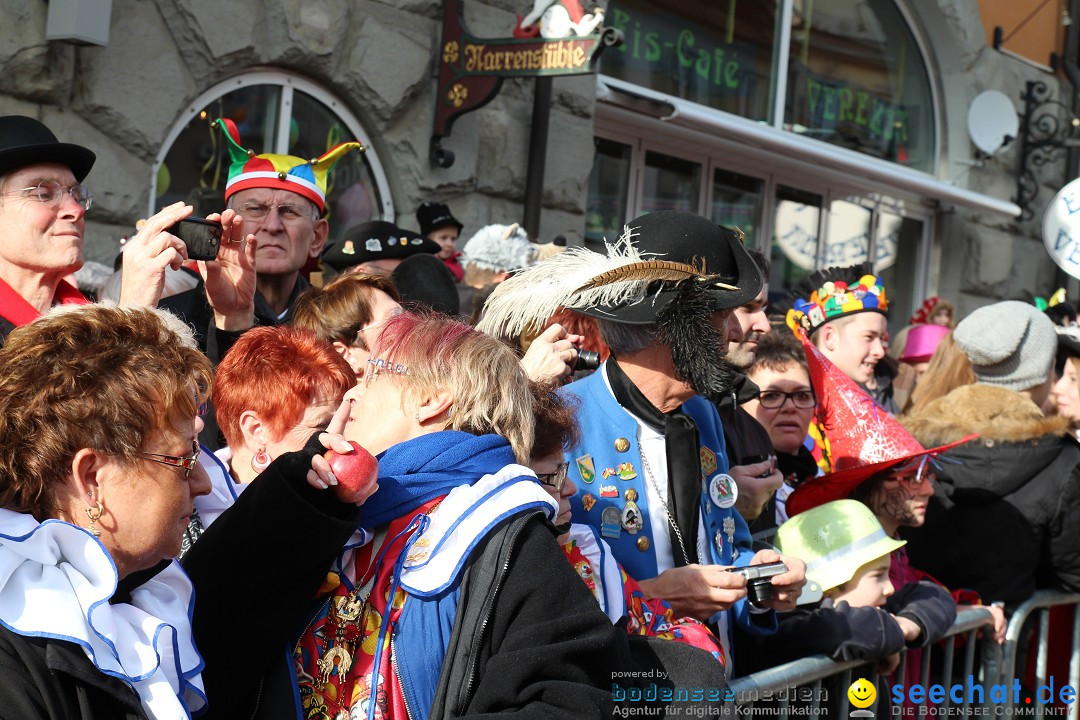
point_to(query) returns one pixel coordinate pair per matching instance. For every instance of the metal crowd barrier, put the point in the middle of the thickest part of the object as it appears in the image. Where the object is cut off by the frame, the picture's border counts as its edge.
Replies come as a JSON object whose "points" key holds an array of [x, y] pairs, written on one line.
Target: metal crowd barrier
{"points": [[997, 665], [810, 671]]}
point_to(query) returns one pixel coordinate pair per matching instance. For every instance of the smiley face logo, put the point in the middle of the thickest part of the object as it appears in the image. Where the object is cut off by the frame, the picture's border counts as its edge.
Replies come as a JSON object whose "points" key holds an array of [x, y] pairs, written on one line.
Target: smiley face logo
{"points": [[862, 693]]}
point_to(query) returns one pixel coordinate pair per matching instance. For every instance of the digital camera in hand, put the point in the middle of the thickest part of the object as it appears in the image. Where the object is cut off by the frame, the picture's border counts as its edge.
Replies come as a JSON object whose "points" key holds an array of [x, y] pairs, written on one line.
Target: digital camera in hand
{"points": [[759, 588]]}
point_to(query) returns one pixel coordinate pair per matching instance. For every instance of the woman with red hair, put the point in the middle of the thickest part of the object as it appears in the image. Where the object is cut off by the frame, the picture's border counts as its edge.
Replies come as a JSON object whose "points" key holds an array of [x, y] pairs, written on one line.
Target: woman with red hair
{"points": [[274, 389]]}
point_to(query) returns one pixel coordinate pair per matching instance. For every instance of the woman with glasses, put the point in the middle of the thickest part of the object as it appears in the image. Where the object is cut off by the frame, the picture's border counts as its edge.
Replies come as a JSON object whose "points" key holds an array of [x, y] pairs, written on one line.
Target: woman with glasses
{"points": [[784, 407], [99, 473], [617, 593], [348, 313], [455, 599]]}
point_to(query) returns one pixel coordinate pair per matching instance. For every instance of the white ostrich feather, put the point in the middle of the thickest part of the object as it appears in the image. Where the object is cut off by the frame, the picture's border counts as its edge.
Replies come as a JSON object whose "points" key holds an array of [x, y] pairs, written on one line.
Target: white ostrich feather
{"points": [[577, 278]]}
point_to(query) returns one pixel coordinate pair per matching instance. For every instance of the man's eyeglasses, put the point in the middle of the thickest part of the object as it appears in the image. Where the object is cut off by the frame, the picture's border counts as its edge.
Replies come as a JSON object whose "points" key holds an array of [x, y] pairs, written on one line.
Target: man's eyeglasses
{"points": [[51, 192], [177, 461], [556, 479], [288, 214], [775, 399]]}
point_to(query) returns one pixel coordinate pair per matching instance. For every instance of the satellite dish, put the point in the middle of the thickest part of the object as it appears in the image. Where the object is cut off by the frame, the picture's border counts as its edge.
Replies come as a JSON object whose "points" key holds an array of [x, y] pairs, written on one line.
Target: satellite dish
{"points": [[992, 121]]}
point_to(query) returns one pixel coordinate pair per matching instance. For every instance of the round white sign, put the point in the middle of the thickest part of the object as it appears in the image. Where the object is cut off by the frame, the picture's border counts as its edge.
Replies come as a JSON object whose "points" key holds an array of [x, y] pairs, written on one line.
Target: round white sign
{"points": [[1061, 228]]}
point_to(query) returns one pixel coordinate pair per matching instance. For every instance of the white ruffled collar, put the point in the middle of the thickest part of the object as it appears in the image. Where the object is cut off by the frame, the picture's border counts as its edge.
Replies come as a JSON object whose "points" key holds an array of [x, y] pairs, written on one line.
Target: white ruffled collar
{"points": [[56, 580]]}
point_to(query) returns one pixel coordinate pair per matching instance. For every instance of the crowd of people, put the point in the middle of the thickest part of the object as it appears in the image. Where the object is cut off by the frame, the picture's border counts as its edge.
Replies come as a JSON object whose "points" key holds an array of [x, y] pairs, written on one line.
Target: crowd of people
{"points": [[732, 483]]}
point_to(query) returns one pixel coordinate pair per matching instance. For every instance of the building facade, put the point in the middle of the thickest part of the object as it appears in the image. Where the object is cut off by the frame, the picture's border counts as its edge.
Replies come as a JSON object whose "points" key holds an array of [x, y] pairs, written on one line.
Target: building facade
{"points": [[831, 131]]}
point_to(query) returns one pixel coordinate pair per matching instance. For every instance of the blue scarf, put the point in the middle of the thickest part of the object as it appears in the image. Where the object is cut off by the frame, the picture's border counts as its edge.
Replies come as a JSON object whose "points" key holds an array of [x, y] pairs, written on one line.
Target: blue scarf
{"points": [[418, 470]]}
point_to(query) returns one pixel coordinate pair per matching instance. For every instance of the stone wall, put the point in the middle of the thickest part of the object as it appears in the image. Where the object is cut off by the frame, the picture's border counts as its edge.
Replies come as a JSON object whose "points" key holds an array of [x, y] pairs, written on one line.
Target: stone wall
{"points": [[378, 57], [981, 257]]}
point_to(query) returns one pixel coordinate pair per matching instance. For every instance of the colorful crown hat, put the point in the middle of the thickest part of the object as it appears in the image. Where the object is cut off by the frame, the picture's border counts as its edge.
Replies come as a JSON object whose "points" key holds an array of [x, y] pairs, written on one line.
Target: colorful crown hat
{"points": [[280, 172], [863, 439], [836, 298]]}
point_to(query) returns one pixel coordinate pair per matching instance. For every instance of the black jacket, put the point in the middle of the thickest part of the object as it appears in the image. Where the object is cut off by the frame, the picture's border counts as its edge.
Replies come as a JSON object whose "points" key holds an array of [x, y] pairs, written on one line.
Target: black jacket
{"points": [[6, 326], [45, 678], [1003, 521], [747, 441]]}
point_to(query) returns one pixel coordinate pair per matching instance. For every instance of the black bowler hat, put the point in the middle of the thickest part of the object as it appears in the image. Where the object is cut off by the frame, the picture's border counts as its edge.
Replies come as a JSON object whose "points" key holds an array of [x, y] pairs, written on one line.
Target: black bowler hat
{"points": [[425, 280], [687, 238], [432, 216], [375, 240], [26, 141]]}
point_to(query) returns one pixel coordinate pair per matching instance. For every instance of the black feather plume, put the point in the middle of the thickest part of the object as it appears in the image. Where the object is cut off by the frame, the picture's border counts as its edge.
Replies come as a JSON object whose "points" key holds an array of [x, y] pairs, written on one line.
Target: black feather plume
{"points": [[697, 348]]}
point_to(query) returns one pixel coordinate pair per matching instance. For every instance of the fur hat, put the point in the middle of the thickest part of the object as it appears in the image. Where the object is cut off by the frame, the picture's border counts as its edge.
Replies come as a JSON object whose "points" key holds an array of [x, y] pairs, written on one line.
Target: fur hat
{"points": [[499, 248], [1010, 344]]}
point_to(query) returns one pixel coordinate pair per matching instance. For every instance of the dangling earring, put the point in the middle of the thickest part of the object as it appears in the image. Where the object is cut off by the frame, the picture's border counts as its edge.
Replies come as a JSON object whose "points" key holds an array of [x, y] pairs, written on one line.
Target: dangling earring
{"points": [[417, 417], [94, 514], [261, 460]]}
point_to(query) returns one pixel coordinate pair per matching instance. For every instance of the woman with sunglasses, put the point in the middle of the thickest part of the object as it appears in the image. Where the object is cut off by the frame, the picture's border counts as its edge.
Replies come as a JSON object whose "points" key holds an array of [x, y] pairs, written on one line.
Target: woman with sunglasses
{"points": [[99, 473], [617, 593]]}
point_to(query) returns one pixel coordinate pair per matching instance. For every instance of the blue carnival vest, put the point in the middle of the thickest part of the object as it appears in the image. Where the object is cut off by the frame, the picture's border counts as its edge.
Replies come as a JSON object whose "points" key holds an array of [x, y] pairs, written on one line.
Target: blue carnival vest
{"points": [[606, 467]]}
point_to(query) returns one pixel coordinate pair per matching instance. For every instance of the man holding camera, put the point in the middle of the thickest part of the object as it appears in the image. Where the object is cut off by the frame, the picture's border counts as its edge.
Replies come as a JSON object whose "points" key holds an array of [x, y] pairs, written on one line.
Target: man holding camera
{"points": [[43, 206], [282, 202], [651, 467]]}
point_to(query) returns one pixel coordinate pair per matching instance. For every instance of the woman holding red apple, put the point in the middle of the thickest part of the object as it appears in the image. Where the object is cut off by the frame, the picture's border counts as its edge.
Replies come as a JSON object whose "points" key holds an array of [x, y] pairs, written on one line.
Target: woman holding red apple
{"points": [[456, 599]]}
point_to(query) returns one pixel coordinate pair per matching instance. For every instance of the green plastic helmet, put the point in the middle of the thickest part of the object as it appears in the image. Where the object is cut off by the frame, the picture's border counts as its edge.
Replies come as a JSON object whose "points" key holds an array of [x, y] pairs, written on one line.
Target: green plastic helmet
{"points": [[834, 540]]}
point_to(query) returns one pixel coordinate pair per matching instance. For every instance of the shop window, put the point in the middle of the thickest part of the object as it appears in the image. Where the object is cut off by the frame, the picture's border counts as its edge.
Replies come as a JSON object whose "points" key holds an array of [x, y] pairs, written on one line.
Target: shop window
{"points": [[848, 240], [715, 52], [795, 238], [856, 78], [670, 183], [736, 200], [608, 191], [898, 240], [275, 112]]}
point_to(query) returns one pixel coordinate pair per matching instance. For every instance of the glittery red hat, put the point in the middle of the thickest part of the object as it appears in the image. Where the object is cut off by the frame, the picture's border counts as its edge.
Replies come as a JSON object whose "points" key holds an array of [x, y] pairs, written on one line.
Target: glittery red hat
{"points": [[863, 439]]}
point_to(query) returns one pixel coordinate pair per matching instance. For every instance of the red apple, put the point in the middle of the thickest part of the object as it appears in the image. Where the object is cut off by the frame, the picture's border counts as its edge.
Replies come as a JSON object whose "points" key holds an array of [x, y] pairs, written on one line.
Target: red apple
{"points": [[356, 472]]}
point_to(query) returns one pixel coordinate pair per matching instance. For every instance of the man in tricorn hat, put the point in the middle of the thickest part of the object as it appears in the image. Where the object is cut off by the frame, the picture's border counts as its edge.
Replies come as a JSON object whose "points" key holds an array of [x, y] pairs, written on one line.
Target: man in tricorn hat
{"points": [[651, 467]]}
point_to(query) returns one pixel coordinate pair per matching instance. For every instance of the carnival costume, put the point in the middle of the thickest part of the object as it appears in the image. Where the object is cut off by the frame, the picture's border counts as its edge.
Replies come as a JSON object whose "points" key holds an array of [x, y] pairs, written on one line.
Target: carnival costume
{"points": [[84, 643], [446, 502]]}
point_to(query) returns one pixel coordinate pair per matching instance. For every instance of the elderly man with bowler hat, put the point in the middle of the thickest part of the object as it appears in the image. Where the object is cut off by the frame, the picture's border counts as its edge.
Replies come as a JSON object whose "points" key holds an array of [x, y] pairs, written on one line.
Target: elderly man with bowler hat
{"points": [[282, 202], [651, 467], [43, 206]]}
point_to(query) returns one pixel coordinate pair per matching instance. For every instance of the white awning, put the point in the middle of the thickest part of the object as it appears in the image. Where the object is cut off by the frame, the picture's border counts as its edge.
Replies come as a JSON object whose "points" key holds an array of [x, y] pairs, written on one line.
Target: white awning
{"points": [[798, 147]]}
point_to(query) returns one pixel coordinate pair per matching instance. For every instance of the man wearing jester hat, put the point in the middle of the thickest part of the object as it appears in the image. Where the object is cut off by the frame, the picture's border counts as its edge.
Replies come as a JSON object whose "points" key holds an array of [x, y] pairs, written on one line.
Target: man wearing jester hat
{"points": [[663, 297], [282, 200]]}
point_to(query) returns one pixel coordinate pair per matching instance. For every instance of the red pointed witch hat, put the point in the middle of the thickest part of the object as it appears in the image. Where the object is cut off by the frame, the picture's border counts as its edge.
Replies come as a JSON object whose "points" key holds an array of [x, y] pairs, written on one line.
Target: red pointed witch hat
{"points": [[863, 439]]}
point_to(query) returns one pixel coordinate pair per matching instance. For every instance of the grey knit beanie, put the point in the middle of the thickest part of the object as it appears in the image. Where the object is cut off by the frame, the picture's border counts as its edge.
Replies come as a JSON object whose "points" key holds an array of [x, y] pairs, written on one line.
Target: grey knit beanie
{"points": [[1010, 344]]}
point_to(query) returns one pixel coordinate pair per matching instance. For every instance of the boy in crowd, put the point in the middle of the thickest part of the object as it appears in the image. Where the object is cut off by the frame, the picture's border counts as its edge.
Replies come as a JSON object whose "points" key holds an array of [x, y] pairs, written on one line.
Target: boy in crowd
{"points": [[438, 224]]}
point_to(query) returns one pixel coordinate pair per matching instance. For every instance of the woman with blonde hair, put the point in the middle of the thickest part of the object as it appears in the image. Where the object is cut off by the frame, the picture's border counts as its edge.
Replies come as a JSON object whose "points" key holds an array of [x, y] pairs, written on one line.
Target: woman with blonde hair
{"points": [[456, 599], [949, 369]]}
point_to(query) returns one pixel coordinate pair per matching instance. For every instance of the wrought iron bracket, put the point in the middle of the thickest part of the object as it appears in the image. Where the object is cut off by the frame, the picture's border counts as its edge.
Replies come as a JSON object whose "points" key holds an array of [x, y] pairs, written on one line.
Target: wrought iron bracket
{"points": [[1048, 129]]}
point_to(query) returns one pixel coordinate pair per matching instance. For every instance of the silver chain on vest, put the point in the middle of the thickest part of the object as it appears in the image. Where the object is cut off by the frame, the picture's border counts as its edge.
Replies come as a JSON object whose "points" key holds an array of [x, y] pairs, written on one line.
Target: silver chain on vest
{"points": [[660, 496]]}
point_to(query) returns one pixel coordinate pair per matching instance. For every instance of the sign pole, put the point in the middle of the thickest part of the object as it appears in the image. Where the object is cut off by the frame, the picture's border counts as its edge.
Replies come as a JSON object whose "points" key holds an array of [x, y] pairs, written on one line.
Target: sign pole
{"points": [[538, 144]]}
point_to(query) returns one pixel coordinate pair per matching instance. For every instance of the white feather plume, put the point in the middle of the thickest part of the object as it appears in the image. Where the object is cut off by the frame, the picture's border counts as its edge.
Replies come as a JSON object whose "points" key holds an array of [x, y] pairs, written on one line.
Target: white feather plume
{"points": [[534, 294]]}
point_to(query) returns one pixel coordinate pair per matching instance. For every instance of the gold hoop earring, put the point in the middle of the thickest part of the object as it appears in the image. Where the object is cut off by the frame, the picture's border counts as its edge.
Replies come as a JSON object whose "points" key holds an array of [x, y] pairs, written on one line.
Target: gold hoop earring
{"points": [[94, 514]]}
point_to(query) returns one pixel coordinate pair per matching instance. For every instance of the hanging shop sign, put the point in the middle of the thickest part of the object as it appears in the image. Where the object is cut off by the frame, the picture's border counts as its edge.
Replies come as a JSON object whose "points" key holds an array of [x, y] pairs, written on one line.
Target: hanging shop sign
{"points": [[1061, 228], [557, 37]]}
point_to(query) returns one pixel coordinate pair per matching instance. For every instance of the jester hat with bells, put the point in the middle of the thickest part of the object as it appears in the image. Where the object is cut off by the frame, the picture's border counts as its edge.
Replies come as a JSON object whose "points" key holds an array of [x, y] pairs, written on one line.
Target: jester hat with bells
{"points": [[306, 178], [863, 439], [670, 268]]}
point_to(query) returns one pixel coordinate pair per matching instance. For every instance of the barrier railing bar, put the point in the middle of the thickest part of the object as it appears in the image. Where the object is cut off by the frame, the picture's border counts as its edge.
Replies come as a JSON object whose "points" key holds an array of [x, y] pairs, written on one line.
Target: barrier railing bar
{"points": [[947, 664], [1042, 660], [1074, 664], [844, 683], [969, 663]]}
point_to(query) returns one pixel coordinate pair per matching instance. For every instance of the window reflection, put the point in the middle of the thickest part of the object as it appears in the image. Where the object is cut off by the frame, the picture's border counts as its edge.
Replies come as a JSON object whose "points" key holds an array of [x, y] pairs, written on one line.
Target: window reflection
{"points": [[849, 232], [898, 239], [795, 238], [609, 184], [737, 201], [670, 183]]}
